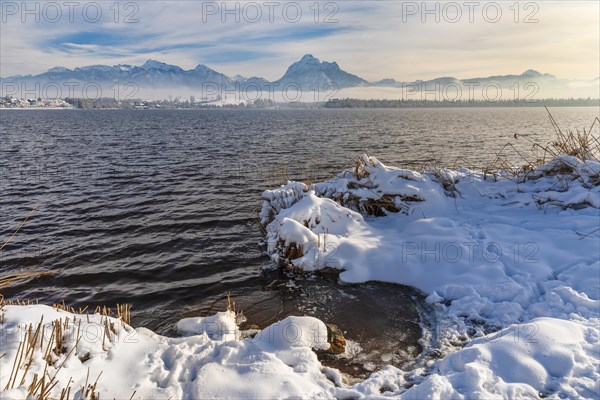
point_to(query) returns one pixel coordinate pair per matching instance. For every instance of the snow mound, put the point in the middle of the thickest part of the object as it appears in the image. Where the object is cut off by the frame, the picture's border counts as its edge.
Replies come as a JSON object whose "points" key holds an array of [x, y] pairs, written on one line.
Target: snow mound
{"points": [[307, 230], [221, 326], [542, 357]]}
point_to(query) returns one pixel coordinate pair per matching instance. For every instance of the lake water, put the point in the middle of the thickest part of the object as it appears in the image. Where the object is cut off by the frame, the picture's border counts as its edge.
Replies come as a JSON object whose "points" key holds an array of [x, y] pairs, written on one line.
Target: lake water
{"points": [[158, 208]]}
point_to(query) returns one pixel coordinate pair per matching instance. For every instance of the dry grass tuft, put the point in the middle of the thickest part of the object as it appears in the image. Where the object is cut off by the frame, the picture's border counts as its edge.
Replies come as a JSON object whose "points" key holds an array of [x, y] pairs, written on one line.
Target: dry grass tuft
{"points": [[22, 224], [88, 391], [34, 342], [377, 207], [380, 204], [582, 145], [359, 166], [15, 302], [35, 345], [230, 306], [443, 176], [124, 313], [20, 277], [293, 251], [7, 280]]}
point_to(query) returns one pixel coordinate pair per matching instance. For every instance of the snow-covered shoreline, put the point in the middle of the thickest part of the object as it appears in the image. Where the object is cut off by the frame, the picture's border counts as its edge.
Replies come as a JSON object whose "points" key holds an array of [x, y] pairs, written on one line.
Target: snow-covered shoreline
{"points": [[510, 265], [517, 254]]}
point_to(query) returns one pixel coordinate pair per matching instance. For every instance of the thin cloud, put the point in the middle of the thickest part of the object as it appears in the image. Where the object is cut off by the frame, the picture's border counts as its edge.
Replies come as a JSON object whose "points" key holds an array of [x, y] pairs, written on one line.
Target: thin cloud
{"points": [[374, 40]]}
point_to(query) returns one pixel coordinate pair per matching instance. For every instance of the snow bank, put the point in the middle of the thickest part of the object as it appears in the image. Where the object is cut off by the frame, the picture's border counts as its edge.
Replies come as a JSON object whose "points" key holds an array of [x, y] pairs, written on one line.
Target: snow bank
{"points": [[490, 251], [277, 363]]}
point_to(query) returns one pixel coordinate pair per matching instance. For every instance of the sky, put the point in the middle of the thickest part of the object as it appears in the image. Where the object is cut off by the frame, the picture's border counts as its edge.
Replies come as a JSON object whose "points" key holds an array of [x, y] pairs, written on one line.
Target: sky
{"points": [[403, 40]]}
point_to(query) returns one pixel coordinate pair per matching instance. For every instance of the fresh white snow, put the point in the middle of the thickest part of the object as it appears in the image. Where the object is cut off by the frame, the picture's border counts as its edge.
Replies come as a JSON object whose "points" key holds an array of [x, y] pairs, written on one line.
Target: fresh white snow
{"points": [[277, 363], [509, 264], [490, 251]]}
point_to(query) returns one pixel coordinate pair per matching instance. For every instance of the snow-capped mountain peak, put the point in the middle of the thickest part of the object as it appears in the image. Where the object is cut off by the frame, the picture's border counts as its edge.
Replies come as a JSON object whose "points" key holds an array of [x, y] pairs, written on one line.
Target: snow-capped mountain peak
{"points": [[202, 67], [309, 71], [157, 65], [59, 70], [309, 59], [532, 73]]}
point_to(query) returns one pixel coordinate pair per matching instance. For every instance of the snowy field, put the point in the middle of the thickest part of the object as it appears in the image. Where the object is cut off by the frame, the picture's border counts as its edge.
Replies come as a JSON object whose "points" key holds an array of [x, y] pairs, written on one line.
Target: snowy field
{"points": [[509, 264]]}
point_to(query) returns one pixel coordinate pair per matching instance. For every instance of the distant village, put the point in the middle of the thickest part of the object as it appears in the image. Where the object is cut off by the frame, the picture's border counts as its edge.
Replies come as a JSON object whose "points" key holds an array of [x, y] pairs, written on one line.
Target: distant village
{"points": [[11, 102], [192, 103], [170, 104], [111, 103]]}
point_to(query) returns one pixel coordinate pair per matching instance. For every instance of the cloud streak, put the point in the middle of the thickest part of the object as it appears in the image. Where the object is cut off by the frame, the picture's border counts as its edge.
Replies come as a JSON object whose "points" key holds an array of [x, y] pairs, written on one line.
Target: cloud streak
{"points": [[373, 40]]}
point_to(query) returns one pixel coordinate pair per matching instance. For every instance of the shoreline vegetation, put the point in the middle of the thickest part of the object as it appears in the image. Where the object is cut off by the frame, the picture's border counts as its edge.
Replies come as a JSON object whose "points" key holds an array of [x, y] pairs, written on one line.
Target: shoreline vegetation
{"points": [[507, 257], [549, 102], [184, 104]]}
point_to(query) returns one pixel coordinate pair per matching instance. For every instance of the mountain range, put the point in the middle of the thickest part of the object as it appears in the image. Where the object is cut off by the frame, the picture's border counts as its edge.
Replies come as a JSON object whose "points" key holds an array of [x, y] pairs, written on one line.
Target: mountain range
{"points": [[306, 74]]}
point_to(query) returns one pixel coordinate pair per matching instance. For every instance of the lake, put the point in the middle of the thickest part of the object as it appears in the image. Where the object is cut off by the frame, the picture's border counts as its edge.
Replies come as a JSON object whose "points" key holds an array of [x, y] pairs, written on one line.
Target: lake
{"points": [[158, 208]]}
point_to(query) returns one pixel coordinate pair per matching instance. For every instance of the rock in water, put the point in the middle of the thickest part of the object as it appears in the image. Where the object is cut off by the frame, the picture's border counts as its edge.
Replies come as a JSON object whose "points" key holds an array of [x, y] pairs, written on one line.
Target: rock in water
{"points": [[336, 339]]}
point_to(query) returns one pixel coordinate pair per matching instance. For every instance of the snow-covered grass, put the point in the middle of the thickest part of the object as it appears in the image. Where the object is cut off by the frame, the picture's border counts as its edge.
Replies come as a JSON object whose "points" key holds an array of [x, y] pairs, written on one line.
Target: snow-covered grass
{"points": [[136, 363]]}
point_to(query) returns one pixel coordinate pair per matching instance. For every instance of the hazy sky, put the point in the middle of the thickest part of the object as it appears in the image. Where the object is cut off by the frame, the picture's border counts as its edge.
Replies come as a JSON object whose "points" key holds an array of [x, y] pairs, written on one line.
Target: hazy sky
{"points": [[375, 40]]}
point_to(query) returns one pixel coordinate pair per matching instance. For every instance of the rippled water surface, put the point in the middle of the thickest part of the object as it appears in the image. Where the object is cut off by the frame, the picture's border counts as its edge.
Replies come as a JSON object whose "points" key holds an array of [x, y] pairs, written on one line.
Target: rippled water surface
{"points": [[158, 208]]}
